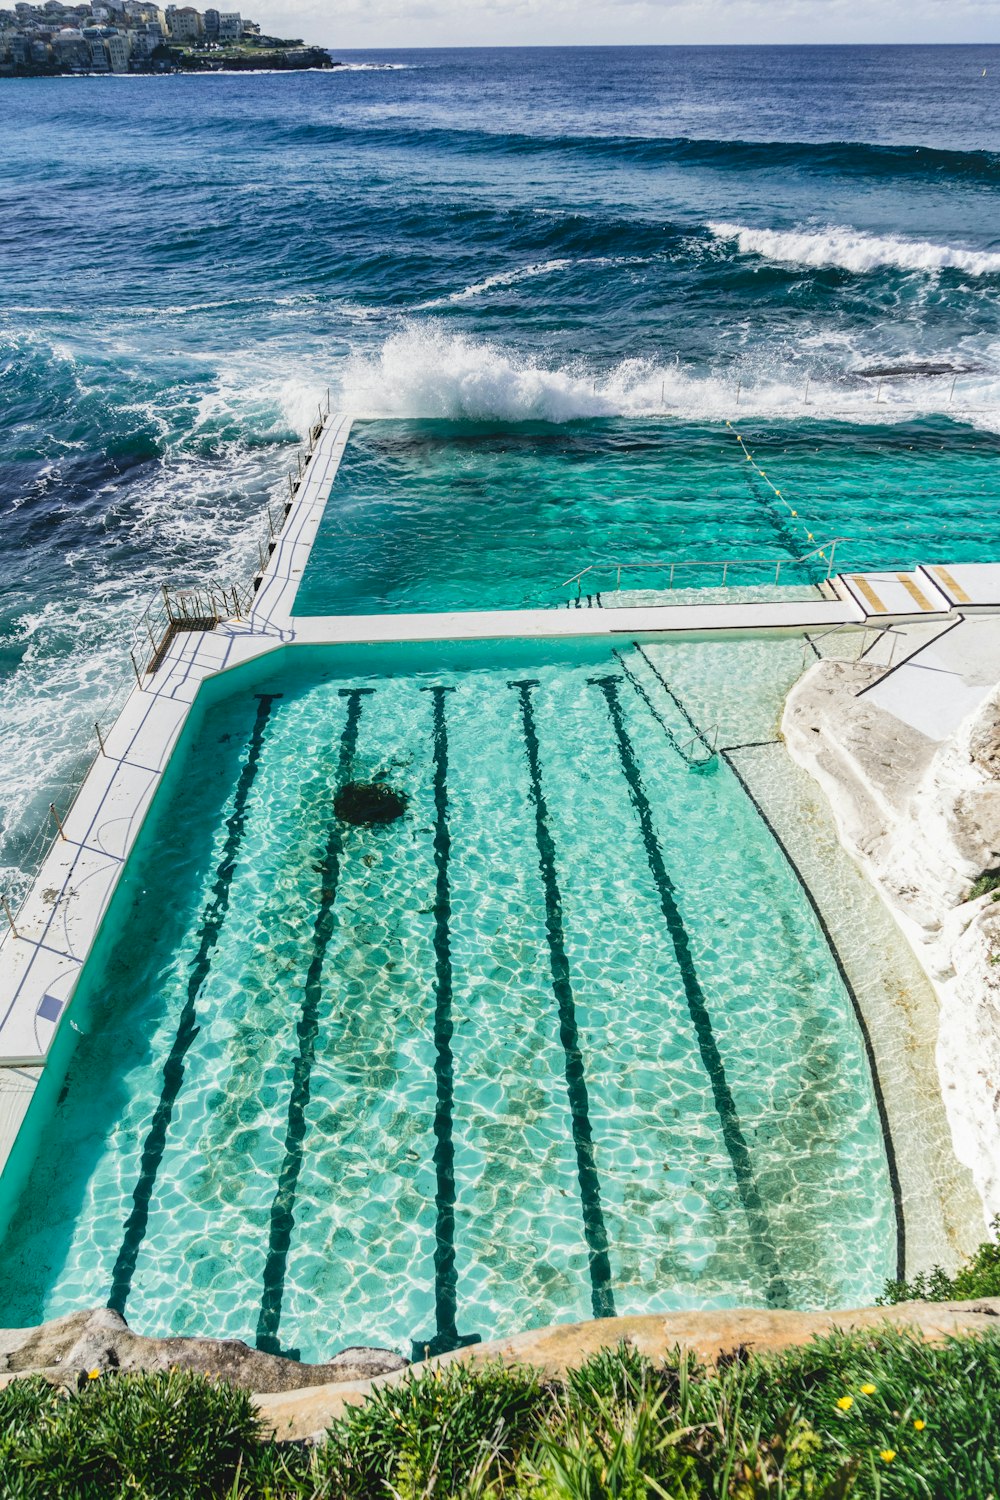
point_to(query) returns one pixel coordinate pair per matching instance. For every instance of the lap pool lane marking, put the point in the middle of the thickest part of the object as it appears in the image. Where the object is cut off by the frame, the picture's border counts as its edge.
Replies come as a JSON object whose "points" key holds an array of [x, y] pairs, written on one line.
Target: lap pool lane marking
{"points": [[283, 1206], [188, 1028], [732, 1130], [595, 1231], [447, 1336]]}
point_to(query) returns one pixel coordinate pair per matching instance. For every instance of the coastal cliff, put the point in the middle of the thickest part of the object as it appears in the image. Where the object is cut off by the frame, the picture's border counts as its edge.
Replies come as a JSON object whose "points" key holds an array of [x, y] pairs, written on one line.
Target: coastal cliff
{"points": [[923, 818]]}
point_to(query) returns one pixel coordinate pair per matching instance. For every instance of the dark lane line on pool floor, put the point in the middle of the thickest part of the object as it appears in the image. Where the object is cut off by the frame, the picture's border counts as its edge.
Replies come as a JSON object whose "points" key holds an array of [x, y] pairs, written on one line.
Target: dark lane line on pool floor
{"points": [[732, 1130], [187, 1028], [672, 695], [447, 1336], [644, 697], [595, 1231], [283, 1206]]}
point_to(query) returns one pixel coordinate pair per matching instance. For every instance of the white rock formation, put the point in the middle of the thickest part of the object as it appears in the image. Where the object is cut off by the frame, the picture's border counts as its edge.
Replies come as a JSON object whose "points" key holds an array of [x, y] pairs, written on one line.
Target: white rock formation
{"points": [[924, 820]]}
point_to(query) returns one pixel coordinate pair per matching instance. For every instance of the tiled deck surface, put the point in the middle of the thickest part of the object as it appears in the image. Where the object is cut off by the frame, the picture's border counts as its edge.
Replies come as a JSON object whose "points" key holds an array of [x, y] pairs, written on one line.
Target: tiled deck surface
{"points": [[890, 594], [968, 585]]}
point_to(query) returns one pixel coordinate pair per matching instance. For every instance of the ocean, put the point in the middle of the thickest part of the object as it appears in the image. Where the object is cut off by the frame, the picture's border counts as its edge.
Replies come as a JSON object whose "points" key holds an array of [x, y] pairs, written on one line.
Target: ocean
{"points": [[559, 271]]}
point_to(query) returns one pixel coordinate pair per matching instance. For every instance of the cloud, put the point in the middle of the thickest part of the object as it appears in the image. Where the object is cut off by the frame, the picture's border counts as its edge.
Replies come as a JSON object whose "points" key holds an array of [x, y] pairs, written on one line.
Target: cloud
{"points": [[438, 23]]}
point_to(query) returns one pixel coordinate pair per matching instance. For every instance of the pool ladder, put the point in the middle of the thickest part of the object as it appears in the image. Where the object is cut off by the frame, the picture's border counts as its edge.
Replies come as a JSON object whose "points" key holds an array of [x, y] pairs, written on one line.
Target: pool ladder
{"points": [[701, 763]]}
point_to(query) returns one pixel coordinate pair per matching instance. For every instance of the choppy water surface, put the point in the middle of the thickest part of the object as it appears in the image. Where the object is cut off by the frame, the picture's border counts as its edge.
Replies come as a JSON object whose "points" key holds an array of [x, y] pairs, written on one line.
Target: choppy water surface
{"points": [[496, 239]]}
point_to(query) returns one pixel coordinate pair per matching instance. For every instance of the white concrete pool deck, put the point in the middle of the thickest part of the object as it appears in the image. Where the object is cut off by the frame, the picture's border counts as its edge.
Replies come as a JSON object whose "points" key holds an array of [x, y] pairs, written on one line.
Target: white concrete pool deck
{"points": [[59, 920]]}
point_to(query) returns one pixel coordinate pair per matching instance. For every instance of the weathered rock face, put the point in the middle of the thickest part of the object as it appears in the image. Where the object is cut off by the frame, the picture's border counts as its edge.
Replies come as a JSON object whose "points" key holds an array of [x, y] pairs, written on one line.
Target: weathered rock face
{"points": [[924, 820], [68, 1348]]}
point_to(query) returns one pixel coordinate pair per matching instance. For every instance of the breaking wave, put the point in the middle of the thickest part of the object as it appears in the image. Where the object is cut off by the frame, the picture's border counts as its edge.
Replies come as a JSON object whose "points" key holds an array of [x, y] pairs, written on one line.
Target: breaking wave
{"points": [[424, 371], [853, 250], [373, 67]]}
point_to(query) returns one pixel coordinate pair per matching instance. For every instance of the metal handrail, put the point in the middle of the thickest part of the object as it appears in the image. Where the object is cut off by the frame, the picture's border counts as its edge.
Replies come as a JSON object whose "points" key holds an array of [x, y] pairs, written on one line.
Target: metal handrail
{"points": [[203, 606], [724, 563], [863, 627], [700, 737]]}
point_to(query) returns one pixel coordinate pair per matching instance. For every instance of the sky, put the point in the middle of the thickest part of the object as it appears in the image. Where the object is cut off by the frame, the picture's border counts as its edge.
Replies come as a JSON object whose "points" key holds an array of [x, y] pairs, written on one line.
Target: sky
{"points": [[472, 23]]}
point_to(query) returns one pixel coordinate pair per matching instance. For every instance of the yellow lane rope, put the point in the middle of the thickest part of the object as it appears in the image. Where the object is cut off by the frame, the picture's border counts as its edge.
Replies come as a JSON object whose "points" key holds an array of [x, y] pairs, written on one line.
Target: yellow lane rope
{"points": [[773, 487]]}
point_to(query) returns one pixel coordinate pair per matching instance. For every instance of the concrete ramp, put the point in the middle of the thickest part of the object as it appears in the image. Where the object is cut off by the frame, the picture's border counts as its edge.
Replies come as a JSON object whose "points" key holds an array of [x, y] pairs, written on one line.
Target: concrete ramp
{"points": [[945, 681]]}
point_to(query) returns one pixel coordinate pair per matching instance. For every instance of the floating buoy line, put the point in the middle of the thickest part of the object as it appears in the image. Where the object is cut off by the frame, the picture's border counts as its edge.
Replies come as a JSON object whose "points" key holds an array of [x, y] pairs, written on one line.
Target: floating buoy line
{"points": [[761, 473]]}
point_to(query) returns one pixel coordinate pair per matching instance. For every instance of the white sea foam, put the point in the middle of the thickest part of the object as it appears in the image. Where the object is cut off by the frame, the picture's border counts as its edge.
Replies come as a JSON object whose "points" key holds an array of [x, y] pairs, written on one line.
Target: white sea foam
{"points": [[853, 250], [490, 283], [527, 273], [425, 371], [187, 517]]}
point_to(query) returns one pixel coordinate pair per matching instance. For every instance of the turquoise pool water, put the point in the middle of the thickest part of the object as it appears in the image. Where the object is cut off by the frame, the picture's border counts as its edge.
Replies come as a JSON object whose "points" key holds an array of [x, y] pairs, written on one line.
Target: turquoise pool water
{"points": [[563, 1038], [436, 516]]}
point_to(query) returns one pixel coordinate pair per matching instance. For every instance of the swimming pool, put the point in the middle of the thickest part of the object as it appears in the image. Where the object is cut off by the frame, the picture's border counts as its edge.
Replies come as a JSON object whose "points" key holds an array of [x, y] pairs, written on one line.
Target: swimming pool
{"points": [[429, 516], [564, 1038]]}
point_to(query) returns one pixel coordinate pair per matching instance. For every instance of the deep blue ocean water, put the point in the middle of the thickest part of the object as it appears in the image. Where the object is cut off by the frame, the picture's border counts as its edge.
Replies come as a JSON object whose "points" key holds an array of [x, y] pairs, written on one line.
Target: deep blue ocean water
{"points": [[558, 245]]}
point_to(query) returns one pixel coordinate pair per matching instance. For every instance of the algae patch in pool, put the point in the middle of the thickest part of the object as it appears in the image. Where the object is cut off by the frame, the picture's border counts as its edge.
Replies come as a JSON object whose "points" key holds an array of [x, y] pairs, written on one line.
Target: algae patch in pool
{"points": [[369, 803]]}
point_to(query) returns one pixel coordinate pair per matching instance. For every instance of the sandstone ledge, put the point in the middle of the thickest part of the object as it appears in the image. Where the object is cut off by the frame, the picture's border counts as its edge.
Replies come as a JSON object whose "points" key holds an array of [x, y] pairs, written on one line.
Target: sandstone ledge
{"points": [[305, 1414], [65, 1350]]}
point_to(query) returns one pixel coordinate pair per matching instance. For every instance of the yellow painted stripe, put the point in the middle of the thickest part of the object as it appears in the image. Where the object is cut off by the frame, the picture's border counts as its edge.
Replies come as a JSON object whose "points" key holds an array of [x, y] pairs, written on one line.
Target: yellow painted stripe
{"points": [[914, 592], [957, 592], [864, 587]]}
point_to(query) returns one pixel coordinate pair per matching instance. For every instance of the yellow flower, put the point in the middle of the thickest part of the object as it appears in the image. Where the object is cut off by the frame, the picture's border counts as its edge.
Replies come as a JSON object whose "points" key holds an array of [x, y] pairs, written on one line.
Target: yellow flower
{"points": [[920, 1424], [887, 1455], [845, 1403], [93, 1374], [868, 1390]]}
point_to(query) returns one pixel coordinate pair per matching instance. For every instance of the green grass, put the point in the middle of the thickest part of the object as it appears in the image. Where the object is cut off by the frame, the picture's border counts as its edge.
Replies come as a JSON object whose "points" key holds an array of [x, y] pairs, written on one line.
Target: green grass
{"points": [[988, 881], [866, 1415]]}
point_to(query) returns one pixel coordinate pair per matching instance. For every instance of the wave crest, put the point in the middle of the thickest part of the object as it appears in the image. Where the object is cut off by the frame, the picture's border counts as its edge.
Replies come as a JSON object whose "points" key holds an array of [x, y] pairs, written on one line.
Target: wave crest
{"points": [[492, 283], [854, 250], [425, 372]]}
